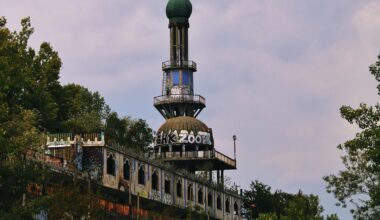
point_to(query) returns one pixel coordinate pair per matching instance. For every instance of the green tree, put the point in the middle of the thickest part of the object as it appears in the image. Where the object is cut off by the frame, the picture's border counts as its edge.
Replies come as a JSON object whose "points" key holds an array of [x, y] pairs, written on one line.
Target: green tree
{"points": [[359, 183], [43, 91], [72, 200], [20, 143], [19, 136], [13, 63], [332, 217], [28, 80], [115, 129], [303, 206], [82, 110], [131, 133], [267, 216], [260, 203], [30, 98], [258, 199]]}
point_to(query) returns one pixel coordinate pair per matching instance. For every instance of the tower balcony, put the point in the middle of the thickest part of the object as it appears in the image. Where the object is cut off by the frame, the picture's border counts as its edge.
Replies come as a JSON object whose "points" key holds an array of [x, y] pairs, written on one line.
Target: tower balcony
{"points": [[197, 158], [179, 98], [179, 105], [173, 64]]}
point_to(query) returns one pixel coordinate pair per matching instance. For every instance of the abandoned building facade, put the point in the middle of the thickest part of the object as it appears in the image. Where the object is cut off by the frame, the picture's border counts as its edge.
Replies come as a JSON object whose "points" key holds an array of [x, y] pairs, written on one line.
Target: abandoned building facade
{"points": [[141, 175], [183, 146]]}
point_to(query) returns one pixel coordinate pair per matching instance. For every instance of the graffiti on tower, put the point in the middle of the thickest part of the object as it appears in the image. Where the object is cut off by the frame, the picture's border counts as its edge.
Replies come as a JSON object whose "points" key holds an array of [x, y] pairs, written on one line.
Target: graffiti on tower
{"points": [[183, 137]]}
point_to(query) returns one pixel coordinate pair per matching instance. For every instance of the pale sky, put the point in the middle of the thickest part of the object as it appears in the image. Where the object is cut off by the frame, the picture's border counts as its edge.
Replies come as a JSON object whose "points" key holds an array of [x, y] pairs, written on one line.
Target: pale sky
{"points": [[273, 72]]}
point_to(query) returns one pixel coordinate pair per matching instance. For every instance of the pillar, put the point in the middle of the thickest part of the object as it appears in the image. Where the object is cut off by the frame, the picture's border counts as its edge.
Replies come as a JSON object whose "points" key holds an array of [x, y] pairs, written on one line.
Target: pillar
{"points": [[222, 177], [217, 176]]}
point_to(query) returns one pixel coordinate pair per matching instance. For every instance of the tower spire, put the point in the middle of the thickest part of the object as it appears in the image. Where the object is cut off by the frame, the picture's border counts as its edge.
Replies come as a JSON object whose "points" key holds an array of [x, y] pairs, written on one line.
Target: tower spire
{"points": [[184, 140], [178, 98]]}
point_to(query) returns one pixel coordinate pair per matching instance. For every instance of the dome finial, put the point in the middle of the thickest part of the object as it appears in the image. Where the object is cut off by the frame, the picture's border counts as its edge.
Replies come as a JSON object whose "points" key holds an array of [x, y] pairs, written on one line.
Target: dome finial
{"points": [[179, 9]]}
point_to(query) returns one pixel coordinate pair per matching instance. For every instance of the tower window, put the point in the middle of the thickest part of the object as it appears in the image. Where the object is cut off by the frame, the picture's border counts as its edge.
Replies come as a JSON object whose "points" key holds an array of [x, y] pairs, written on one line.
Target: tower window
{"points": [[179, 188], [227, 205], [141, 175], [167, 186], [190, 192], [111, 165], [175, 78], [218, 203], [209, 199], [185, 77], [191, 82], [155, 180], [200, 196], [126, 170]]}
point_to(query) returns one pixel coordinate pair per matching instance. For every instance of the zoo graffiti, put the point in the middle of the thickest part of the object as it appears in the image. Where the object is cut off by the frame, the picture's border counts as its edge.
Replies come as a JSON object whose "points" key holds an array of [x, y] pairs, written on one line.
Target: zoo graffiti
{"points": [[183, 137]]}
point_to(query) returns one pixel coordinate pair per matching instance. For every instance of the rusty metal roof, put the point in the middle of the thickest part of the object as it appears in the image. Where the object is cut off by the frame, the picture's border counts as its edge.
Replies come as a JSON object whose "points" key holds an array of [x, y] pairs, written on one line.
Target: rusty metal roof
{"points": [[183, 123]]}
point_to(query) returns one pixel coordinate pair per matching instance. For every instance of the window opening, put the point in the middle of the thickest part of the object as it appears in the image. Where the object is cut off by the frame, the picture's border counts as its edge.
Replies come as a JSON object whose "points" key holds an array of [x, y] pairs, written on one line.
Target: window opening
{"points": [[126, 171], [155, 180], [209, 199], [179, 188], [200, 196], [175, 78], [228, 205], [190, 194], [111, 165], [218, 203], [167, 186], [185, 77], [141, 175], [236, 209]]}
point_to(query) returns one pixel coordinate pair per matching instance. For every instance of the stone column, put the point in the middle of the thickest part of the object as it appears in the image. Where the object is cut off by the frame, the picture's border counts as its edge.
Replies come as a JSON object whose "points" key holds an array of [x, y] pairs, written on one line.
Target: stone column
{"points": [[218, 176], [222, 178]]}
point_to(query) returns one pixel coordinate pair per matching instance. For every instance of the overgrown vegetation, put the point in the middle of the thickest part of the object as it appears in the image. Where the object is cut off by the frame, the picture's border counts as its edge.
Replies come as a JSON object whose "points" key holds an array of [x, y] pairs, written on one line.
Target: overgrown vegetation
{"points": [[261, 203], [32, 103], [359, 184]]}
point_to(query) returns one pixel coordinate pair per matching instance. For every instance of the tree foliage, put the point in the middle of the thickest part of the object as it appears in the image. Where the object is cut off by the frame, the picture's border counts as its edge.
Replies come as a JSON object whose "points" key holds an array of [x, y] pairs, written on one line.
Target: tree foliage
{"points": [[30, 80], [359, 183], [128, 132], [18, 139], [82, 110], [260, 203], [32, 102]]}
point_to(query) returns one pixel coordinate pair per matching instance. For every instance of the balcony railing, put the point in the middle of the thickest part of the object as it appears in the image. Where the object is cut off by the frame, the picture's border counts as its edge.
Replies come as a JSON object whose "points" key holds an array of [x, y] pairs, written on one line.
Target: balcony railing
{"points": [[210, 154], [225, 158], [61, 140], [179, 63], [179, 98]]}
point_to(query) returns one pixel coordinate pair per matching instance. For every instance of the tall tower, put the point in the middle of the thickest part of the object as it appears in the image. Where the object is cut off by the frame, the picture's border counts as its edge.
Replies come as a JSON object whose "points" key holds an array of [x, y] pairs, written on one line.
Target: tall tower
{"points": [[178, 98], [183, 140]]}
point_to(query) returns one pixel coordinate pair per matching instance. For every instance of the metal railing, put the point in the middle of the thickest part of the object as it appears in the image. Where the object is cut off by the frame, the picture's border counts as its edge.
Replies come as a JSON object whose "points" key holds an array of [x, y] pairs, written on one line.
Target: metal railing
{"points": [[179, 98], [225, 158], [179, 63], [67, 139], [211, 154]]}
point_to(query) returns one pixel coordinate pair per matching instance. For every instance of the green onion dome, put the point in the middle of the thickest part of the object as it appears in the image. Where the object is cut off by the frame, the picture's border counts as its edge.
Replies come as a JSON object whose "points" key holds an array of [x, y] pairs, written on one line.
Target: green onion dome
{"points": [[179, 9]]}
